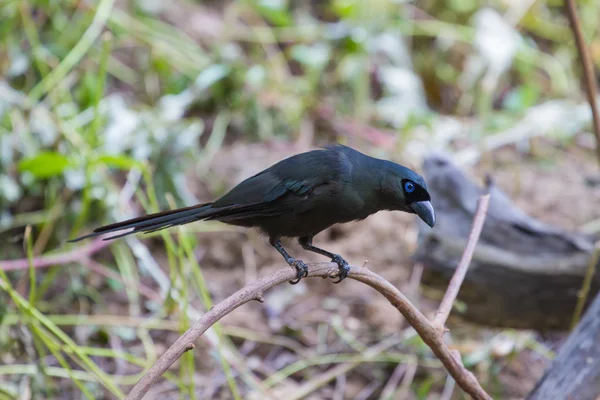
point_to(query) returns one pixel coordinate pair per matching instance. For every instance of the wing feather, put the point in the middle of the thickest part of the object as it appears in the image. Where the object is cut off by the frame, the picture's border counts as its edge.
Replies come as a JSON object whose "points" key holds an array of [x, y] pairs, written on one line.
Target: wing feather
{"points": [[298, 175]]}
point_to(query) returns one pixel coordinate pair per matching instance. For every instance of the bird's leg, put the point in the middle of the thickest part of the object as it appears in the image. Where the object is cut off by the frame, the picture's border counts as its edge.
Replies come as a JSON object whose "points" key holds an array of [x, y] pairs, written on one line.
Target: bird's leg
{"points": [[306, 243], [301, 268]]}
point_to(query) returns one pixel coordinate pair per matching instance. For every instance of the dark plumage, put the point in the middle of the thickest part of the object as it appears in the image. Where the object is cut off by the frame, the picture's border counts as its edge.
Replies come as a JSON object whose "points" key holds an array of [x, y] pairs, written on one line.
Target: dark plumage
{"points": [[300, 197]]}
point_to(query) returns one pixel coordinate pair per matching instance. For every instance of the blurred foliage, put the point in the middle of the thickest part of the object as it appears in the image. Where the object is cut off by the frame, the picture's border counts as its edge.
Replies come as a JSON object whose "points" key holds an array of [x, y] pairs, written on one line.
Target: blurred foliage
{"points": [[94, 94], [95, 86]]}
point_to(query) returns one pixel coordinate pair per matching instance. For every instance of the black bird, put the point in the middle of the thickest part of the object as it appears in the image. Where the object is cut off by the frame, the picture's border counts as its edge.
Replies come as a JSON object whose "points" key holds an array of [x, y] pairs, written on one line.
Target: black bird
{"points": [[300, 197]]}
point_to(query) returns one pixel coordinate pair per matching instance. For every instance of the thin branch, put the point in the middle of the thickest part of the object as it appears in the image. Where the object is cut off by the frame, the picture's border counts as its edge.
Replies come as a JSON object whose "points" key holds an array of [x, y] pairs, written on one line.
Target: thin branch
{"points": [[430, 335], [440, 317], [56, 259], [588, 69]]}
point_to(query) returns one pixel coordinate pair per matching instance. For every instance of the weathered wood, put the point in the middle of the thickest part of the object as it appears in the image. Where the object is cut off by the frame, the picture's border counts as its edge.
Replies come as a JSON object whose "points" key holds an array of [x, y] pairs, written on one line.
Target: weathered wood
{"points": [[575, 372], [524, 273]]}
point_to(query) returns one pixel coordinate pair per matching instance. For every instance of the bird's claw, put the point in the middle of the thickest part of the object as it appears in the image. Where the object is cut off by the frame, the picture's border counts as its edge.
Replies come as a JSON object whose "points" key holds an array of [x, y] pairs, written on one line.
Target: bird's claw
{"points": [[344, 268], [301, 270]]}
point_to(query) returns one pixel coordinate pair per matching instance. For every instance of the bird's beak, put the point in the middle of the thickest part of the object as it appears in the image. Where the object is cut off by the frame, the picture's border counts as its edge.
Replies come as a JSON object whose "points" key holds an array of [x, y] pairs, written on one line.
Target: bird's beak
{"points": [[425, 211]]}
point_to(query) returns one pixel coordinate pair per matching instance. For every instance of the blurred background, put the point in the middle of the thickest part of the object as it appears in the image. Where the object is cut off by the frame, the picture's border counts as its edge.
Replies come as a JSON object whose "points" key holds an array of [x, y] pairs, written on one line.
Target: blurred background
{"points": [[110, 109]]}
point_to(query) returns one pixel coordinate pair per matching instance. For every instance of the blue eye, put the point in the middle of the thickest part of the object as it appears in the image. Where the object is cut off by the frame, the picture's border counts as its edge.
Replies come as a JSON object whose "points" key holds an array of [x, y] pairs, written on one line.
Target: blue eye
{"points": [[409, 187]]}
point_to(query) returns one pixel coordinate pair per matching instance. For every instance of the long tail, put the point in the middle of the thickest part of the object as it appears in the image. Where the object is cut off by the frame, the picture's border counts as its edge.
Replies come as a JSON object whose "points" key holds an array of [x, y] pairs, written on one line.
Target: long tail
{"points": [[157, 221]]}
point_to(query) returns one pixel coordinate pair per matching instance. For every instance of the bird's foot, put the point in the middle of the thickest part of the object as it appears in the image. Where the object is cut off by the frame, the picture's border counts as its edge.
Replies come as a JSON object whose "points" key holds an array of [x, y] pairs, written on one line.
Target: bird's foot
{"points": [[301, 270], [344, 268]]}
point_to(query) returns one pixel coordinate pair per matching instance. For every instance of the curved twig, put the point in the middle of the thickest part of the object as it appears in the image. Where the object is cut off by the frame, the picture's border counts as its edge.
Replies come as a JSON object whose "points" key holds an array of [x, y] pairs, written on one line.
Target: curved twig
{"points": [[76, 254], [439, 320], [254, 291]]}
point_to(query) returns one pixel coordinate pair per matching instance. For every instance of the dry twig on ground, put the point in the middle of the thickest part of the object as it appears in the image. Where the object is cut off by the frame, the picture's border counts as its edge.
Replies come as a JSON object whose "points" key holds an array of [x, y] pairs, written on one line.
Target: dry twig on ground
{"points": [[428, 330], [76, 254]]}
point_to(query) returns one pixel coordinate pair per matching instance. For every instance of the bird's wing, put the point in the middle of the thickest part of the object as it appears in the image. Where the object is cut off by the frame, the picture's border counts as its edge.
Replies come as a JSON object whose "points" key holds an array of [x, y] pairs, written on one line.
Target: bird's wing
{"points": [[299, 174]]}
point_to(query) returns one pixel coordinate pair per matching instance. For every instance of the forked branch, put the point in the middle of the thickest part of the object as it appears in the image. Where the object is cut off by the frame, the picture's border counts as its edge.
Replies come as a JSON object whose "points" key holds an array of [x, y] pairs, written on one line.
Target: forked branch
{"points": [[427, 330]]}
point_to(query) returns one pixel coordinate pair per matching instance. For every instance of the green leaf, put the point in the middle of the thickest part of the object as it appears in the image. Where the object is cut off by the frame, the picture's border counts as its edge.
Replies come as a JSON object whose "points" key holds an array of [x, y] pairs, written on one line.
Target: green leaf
{"points": [[119, 162], [45, 165]]}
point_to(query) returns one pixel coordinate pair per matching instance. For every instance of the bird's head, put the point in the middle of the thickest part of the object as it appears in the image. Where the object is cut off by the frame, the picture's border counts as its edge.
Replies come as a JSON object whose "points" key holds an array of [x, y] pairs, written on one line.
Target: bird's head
{"points": [[409, 193]]}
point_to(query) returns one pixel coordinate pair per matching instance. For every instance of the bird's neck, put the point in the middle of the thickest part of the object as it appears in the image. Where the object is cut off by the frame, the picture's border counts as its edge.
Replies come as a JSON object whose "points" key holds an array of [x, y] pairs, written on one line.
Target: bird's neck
{"points": [[371, 178]]}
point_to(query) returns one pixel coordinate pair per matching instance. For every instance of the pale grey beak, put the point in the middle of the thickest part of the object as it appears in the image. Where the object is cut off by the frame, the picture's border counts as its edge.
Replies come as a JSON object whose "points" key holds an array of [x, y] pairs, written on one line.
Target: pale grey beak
{"points": [[425, 211]]}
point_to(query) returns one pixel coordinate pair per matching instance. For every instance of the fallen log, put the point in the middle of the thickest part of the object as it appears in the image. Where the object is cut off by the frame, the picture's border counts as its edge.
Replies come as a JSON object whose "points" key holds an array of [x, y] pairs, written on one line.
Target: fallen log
{"points": [[525, 274], [575, 372]]}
